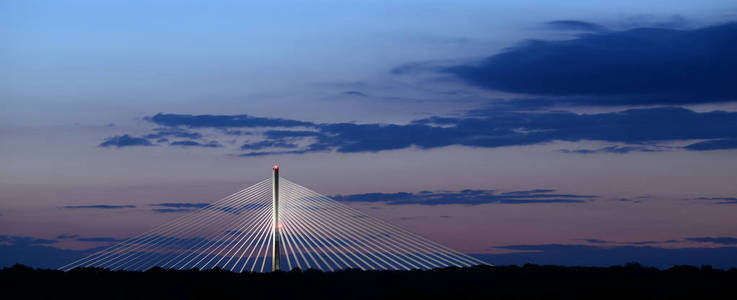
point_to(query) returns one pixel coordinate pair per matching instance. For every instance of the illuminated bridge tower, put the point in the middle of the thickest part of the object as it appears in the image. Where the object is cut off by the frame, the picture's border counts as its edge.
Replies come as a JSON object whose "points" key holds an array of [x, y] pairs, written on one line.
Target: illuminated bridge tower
{"points": [[275, 226]]}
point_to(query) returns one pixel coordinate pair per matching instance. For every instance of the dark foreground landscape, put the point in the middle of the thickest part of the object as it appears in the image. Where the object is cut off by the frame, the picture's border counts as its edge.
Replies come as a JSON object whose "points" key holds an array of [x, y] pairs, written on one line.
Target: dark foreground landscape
{"points": [[482, 282]]}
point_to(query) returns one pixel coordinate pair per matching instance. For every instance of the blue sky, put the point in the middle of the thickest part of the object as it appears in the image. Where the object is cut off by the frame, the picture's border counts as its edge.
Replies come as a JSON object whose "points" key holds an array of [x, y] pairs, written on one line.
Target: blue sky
{"points": [[533, 123]]}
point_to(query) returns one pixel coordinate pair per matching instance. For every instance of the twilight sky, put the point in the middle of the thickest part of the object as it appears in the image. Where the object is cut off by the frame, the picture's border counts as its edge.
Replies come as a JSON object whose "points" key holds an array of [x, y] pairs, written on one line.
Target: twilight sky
{"points": [[556, 132]]}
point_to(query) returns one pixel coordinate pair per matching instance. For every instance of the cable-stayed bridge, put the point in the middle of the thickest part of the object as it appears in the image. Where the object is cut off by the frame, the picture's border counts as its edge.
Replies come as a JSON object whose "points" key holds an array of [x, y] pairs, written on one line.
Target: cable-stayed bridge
{"points": [[272, 225]]}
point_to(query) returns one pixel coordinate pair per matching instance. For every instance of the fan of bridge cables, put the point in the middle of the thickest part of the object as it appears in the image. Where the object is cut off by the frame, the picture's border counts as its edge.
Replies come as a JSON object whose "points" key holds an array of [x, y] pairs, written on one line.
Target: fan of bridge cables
{"points": [[316, 232]]}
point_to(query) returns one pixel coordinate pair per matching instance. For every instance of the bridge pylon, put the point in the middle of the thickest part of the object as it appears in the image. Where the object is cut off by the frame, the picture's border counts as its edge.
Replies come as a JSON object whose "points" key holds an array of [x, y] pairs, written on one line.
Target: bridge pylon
{"points": [[275, 225]]}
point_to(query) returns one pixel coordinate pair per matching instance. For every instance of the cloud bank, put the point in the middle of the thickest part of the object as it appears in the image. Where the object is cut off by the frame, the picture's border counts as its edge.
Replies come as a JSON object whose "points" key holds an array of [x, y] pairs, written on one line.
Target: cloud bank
{"points": [[177, 207], [99, 206], [487, 128], [641, 66]]}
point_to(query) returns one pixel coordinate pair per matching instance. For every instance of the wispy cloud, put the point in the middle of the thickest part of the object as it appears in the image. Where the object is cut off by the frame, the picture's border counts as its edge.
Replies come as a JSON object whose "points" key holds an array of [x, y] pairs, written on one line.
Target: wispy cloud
{"points": [[468, 197], [25, 240], [99, 206], [172, 132], [77, 237], [635, 243], [716, 144], [181, 205], [576, 25], [210, 121], [189, 143], [715, 240], [67, 236], [354, 93], [125, 140], [268, 144], [719, 200], [614, 150], [177, 207]]}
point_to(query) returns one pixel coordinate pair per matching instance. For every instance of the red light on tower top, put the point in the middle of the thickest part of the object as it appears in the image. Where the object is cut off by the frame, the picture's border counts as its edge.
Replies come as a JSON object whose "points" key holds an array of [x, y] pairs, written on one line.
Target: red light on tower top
{"points": [[276, 167]]}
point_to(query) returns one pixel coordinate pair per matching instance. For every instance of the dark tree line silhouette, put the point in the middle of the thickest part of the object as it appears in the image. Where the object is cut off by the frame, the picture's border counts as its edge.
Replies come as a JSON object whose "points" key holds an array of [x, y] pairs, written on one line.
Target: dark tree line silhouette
{"points": [[631, 281]]}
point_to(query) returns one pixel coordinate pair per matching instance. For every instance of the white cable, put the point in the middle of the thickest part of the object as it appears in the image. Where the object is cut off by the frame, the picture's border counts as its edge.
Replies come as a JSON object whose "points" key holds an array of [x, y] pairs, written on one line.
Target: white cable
{"points": [[88, 259], [361, 235], [197, 226], [152, 238], [418, 252], [206, 242]]}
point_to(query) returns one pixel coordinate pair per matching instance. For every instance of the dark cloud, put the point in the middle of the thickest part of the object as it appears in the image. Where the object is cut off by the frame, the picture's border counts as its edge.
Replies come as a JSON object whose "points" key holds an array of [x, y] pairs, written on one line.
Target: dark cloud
{"points": [[188, 143], [635, 201], [644, 242], [86, 239], [613, 149], [67, 236], [172, 132], [606, 255], [220, 121], [24, 240], [354, 93], [650, 242], [467, 197], [268, 144], [640, 66], [576, 26], [99, 206], [717, 144], [715, 240], [125, 140], [181, 205], [491, 129], [99, 239], [595, 241], [177, 207], [264, 153], [639, 129], [720, 200]]}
